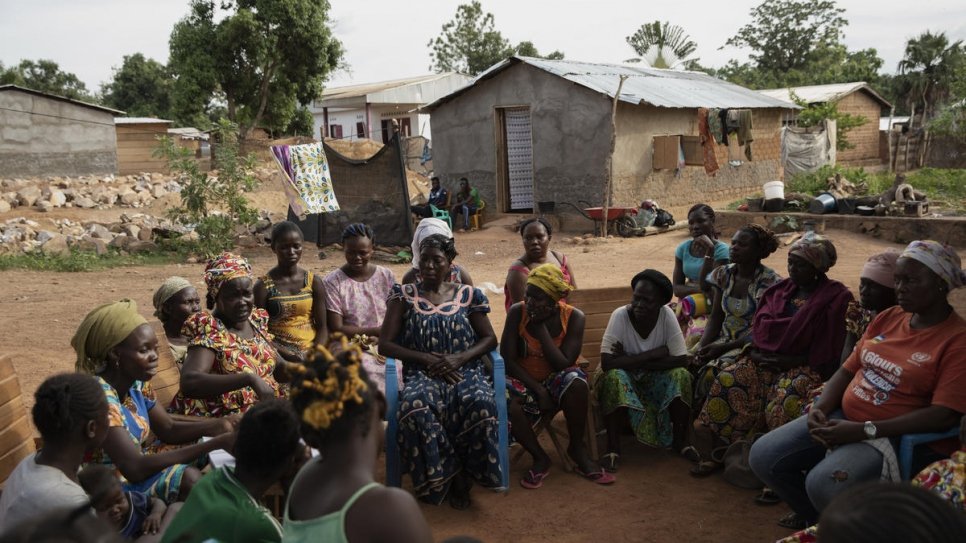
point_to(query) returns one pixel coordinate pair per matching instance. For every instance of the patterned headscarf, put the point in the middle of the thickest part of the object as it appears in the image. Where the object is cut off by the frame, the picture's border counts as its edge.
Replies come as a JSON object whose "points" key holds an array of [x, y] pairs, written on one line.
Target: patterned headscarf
{"points": [[224, 268], [816, 250], [171, 286], [881, 268], [102, 330], [939, 258], [549, 279]]}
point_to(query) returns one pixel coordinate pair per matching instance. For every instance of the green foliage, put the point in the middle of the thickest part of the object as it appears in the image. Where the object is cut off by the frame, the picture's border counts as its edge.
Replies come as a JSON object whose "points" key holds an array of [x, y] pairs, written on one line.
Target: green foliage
{"points": [[141, 87], [303, 123], [79, 261], [45, 76], [950, 121], [946, 187], [813, 114], [929, 70], [470, 43], [213, 205], [815, 182], [261, 59], [663, 45]]}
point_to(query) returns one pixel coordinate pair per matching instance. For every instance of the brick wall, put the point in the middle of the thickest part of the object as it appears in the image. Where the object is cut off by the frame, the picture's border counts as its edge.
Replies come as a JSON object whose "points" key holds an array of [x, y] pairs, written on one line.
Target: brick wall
{"points": [[865, 137]]}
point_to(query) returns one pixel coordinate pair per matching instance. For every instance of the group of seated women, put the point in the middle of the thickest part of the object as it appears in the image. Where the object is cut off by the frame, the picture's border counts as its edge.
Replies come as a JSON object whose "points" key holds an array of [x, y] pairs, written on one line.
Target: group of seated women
{"points": [[742, 356]]}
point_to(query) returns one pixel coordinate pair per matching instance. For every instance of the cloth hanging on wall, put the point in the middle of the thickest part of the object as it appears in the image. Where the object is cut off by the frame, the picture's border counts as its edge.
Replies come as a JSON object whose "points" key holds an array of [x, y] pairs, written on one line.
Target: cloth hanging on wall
{"points": [[707, 141], [744, 131], [715, 126], [308, 181]]}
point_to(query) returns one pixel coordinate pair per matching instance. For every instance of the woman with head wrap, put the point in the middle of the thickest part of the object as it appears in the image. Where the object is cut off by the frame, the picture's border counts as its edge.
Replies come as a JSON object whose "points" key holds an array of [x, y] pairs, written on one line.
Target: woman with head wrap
{"points": [[796, 340], [645, 374], [541, 342], [906, 375], [231, 363], [440, 331], [426, 228], [117, 345], [174, 301], [293, 297]]}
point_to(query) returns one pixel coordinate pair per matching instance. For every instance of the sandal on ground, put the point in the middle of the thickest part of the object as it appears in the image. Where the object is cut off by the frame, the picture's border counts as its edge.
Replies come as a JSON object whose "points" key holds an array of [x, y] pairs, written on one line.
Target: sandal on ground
{"points": [[691, 454], [610, 462], [705, 468], [793, 522], [767, 497], [534, 479], [600, 477]]}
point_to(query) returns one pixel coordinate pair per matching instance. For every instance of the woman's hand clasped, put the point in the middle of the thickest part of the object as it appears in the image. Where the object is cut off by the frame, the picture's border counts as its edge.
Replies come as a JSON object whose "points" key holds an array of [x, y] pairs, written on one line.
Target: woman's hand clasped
{"points": [[834, 432], [445, 366]]}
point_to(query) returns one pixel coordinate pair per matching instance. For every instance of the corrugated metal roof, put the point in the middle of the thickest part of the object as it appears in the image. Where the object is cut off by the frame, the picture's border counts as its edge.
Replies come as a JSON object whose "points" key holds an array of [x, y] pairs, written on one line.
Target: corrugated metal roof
{"points": [[644, 85], [365, 89], [140, 120], [60, 98], [814, 94]]}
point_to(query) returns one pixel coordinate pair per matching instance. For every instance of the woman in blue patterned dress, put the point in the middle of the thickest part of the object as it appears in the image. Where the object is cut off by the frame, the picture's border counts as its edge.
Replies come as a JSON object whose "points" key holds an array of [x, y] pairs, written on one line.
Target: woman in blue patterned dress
{"points": [[447, 412]]}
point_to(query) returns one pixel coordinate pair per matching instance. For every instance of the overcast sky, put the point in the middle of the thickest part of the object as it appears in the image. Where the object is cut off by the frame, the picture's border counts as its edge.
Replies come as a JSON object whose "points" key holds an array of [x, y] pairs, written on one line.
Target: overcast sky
{"points": [[387, 39]]}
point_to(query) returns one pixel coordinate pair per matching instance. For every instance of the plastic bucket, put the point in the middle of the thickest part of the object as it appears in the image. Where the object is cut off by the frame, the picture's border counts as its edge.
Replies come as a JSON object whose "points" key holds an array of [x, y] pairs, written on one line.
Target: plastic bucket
{"points": [[774, 190], [823, 203]]}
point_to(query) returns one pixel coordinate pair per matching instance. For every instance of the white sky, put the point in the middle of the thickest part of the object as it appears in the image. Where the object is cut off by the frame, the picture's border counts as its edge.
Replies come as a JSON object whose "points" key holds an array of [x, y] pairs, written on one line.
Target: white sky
{"points": [[387, 39]]}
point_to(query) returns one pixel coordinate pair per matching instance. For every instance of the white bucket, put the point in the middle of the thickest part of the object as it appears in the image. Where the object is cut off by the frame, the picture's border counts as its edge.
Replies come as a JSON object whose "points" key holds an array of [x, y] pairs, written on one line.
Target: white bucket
{"points": [[774, 189]]}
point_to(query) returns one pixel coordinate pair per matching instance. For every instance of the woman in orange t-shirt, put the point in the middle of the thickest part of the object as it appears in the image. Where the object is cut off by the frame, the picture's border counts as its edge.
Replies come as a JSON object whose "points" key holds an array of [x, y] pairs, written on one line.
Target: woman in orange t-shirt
{"points": [[906, 375]]}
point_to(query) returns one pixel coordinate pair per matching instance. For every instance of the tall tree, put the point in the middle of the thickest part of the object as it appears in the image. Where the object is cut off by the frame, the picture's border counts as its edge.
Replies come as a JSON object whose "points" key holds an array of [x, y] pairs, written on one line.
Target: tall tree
{"points": [[45, 76], [141, 87], [663, 45], [470, 43], [261, 58], [782, 33], [930, 67]]}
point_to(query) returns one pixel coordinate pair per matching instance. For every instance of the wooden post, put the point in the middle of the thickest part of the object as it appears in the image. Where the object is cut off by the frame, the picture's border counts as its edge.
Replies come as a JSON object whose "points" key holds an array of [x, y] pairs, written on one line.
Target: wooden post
{"points": [[609, 182], [892, 112]]}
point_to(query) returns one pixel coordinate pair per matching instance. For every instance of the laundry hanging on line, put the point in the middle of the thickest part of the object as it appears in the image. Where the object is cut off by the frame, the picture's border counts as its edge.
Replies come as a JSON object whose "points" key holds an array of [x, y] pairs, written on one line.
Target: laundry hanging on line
{"points": [[308, 180]]}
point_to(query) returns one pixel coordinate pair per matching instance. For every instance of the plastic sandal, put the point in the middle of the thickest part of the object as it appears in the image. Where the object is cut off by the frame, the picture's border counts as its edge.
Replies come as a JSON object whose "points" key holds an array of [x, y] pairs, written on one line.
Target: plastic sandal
{"points": [[691, 454], [610, 461], [767, 497], [600, 477], [705, 468], [793, 522], [534, 479]]}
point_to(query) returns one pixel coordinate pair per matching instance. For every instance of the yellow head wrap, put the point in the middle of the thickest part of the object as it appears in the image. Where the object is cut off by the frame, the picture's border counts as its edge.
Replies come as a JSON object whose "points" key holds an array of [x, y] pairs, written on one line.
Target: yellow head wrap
{"points": [[102, 330], [549, 278]]}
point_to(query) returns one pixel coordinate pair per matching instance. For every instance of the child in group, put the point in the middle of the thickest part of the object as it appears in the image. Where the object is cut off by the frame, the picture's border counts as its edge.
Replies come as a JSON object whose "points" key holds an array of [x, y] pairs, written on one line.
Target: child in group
{"points": [[132, 513]]}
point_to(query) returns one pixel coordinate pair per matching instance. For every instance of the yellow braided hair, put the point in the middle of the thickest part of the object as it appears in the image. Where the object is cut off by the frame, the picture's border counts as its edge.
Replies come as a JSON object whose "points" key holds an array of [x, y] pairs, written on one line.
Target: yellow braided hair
{"points": [[323, 387]]}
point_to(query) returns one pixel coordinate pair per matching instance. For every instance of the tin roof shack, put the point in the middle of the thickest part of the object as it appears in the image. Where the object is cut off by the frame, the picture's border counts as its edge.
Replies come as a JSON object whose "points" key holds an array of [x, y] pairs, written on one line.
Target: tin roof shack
{"points": [[367, 110], [855, 99], [45, 134], [137, 138], [532, 130]]}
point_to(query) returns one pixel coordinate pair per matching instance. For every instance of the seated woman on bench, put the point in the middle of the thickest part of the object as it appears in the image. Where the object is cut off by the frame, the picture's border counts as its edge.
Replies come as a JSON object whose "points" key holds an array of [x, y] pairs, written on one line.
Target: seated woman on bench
{"points": [[541, 342]]}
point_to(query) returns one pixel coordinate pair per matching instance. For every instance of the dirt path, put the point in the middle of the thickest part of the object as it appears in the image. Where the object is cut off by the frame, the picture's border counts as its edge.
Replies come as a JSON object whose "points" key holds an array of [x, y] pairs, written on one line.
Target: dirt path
{"points": [[654, 498]]}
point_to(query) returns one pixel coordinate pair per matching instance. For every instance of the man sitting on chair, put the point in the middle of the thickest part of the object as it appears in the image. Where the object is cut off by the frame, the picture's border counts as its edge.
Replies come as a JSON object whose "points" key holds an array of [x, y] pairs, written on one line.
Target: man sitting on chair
{"points": [[437, 198], [467, 202]]}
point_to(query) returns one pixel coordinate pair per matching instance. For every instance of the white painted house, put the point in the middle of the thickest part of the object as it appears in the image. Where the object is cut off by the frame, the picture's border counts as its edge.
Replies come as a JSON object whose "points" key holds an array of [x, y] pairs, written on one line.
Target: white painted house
{"points": [[367, 110]]}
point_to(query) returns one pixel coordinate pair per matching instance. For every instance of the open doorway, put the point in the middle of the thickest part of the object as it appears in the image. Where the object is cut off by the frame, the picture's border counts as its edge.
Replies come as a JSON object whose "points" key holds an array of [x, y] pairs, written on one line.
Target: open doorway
{"points": [[515, 159]]}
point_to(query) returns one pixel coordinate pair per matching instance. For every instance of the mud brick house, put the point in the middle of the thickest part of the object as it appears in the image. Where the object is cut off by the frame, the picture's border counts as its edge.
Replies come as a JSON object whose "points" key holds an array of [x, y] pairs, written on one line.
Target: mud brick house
{"points": [[532, 130]]}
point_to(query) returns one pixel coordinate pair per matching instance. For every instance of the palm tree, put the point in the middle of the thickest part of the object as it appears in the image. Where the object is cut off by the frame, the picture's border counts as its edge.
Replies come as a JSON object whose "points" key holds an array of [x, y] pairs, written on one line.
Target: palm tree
{"points": [[663, 45], [929, 68]]}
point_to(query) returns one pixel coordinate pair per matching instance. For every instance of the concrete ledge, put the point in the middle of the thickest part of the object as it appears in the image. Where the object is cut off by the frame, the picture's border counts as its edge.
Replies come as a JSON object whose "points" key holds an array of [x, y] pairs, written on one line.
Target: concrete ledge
{"points": [[951, 230]]}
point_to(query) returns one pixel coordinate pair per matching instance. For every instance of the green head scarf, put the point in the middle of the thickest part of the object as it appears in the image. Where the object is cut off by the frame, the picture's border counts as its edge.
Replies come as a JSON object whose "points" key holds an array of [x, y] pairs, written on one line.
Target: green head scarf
{"points": [[102, 330]]}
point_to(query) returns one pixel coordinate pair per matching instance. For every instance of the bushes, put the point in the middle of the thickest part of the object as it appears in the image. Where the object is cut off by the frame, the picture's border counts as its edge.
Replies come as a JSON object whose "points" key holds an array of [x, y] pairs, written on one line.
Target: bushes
{"points": [[946, 187]]}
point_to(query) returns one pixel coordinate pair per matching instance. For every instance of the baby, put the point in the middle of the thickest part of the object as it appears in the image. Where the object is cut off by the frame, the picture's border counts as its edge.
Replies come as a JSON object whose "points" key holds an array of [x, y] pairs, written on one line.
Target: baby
{"points": [[132, 513]]}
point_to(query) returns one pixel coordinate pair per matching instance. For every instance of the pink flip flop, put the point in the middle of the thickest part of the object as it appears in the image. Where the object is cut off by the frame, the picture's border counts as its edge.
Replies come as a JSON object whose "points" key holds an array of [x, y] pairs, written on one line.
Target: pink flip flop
{"points": [[534, 479], [600, 477]]}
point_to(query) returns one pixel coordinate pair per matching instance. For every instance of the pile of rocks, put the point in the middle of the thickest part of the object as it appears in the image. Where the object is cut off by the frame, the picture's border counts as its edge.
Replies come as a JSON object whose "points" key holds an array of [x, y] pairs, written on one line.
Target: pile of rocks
{"points": [[86, 192], [132, 234]]}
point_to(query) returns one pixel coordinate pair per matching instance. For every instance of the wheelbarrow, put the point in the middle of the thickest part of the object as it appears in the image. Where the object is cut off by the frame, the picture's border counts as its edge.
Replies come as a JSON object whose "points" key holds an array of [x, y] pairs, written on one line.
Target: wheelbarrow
{"points": [[619, 221]]}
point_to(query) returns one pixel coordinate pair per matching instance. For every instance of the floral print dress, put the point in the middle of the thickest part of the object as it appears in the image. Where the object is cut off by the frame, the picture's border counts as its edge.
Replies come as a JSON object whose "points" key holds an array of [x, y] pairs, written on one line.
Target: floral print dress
{"points": [[445, 429], [233, 354]]}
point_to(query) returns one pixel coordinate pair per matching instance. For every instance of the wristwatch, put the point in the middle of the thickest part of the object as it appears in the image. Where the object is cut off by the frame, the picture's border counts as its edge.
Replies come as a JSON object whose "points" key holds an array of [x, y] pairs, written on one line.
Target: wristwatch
{"points": [[869, 429]]}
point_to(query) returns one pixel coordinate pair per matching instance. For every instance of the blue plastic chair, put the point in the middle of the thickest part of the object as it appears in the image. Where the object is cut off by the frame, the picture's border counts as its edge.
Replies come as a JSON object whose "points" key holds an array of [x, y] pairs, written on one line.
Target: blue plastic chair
{"points": [[393, 469], [910, 441], [442, 214]]}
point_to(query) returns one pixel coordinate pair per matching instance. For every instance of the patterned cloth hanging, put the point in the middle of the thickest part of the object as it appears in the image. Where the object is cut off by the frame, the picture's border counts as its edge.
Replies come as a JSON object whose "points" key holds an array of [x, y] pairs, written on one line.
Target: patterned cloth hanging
{"points": [[308, 178]]}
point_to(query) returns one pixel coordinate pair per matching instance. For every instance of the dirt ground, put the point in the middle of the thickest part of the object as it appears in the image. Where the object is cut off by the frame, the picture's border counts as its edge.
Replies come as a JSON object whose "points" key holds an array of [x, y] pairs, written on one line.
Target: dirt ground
{"points": [[654, 498]]}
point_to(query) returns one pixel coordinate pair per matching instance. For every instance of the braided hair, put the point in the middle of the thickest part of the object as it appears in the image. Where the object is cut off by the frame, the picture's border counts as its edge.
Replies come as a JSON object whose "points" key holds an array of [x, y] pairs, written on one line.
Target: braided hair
{"points": [[64, 403], [358, 230], [332, 394], [283, 228], [709, 211], [540, 220], [765, 238], [439, 241]]}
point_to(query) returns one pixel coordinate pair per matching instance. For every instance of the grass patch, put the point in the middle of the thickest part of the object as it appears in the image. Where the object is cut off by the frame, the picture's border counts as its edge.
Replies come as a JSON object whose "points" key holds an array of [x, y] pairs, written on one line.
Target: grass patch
{"points": [[79, 261], [945, 187]]}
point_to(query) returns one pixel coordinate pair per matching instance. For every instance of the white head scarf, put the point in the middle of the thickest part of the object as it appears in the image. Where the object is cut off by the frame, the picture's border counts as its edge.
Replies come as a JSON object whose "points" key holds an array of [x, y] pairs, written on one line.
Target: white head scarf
{"points": [[426, 228]]}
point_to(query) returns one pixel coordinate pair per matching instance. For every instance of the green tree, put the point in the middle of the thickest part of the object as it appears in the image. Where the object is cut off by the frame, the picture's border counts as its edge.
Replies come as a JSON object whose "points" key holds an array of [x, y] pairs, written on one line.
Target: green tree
{"points": [[929, 69], [813, 114], [784, 33], [45, 76], [261, 58], [141, 87], [663, 45], [469, 43], [527, 49]]}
